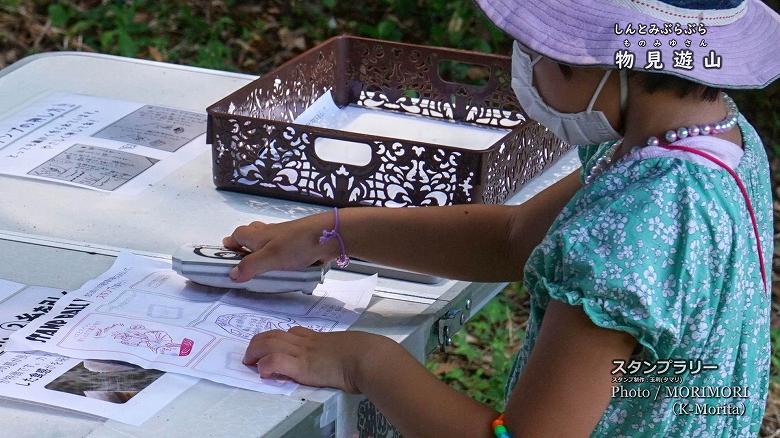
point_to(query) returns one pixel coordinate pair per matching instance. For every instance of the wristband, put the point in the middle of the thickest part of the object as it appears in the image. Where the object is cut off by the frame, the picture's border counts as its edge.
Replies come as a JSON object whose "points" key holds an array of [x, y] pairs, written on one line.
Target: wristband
{"points": [[343, 260]]}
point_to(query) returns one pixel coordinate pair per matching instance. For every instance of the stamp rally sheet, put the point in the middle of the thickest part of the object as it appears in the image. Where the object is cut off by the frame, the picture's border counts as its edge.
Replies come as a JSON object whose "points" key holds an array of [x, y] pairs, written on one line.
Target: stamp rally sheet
{"points": [[101, 144], [115, 390], [142, 312]]}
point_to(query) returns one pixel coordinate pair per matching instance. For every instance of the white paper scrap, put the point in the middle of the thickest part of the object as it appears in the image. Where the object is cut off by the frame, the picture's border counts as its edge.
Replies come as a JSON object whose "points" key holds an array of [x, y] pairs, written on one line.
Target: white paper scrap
{"points": [[140, 311]]}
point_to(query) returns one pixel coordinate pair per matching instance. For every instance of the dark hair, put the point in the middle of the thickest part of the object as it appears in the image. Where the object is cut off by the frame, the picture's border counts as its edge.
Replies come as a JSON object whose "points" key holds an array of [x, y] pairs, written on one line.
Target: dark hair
{"points": [[566, 70], [652, 82]]}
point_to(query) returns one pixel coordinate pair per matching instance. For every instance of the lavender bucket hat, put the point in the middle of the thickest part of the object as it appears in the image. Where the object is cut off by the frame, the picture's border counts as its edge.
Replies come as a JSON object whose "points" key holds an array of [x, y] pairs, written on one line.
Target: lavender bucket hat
{"points": [[720, 43]]}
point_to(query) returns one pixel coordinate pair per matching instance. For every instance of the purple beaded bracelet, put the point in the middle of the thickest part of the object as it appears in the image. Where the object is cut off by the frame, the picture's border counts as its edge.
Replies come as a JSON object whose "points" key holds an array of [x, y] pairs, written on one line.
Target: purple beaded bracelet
{"points": [[343, 260]]}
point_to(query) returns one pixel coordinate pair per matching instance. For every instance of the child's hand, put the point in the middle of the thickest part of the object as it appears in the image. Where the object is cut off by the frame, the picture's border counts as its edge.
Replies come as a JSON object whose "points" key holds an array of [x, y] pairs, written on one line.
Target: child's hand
{"points": [[284, 246], [317, 359]]}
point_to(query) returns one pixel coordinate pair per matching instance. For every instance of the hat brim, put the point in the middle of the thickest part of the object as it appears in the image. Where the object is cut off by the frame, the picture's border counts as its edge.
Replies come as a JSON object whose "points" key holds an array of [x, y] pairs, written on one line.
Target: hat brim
{"points": [[582, 32]]}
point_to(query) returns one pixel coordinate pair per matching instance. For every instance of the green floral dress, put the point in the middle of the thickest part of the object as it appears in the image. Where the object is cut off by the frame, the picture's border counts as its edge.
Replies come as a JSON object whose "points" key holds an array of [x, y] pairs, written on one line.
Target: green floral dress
{"points": [[663, 248]]}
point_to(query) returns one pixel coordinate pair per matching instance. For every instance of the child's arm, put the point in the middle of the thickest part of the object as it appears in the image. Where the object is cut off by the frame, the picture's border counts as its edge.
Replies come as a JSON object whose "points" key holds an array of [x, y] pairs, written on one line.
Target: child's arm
{"points": [[563, 391], [468, 242]]}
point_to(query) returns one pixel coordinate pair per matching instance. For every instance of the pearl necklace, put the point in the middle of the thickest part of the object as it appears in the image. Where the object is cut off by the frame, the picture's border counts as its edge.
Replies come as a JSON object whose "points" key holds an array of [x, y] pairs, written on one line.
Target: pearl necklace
{"points": [[672, 135], [603, 162]]}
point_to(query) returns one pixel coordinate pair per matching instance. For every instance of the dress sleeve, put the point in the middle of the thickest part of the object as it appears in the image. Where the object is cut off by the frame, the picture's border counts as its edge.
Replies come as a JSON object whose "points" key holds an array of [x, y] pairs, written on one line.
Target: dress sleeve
{"points": [[622, 258]]}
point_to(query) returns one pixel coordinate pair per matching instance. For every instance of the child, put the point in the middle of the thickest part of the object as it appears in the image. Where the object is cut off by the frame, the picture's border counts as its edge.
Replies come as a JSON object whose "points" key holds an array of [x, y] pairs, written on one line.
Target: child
{"points": [[650, 263]]}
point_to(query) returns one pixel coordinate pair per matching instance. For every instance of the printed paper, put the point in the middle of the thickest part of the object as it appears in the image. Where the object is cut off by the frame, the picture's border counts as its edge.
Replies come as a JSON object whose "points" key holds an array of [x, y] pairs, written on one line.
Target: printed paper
{"points": [[115, 390], [142, 312], [95, 167], [166, 129], [101, 144]]}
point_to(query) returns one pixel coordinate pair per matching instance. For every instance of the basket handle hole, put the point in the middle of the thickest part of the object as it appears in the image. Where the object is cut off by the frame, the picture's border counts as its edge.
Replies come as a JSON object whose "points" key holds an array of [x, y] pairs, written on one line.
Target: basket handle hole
{"points": [[463, 73], [342, 151]]}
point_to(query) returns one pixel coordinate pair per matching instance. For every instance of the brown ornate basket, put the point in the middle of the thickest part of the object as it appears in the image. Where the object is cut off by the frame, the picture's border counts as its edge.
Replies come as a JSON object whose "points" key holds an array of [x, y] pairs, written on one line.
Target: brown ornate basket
{"points": [[258, 149]]}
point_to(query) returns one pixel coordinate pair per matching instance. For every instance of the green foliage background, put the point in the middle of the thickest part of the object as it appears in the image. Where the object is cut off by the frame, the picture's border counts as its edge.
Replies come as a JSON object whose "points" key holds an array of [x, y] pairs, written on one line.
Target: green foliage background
{"points": [[253, 37]]}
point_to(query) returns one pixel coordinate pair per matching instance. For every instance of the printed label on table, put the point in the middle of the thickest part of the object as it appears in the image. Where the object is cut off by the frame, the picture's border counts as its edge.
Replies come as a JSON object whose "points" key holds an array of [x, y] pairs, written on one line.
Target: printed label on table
{"points": [[101, 144], [111, 389], [140, 311], [93, 166], [157, 127]]}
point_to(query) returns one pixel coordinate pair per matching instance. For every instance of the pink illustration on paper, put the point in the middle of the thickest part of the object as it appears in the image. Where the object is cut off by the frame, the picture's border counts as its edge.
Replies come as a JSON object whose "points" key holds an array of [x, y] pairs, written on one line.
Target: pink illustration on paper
{"points": [[246, 325], [137, 335]]}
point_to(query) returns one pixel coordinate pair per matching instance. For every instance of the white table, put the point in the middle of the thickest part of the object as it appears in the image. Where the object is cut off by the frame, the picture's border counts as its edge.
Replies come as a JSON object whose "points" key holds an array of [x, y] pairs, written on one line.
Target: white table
{"points": [[60, 236]]}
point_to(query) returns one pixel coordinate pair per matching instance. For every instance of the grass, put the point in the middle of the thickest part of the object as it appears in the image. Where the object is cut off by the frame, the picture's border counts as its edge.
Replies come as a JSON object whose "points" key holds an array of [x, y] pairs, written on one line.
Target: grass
{"points": [[481, 357], [253, 37]]}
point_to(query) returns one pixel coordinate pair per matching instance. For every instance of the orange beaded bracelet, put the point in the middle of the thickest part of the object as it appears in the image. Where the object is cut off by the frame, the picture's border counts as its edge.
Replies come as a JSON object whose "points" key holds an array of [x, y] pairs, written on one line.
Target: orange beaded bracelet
{"points": [[499, 428]]}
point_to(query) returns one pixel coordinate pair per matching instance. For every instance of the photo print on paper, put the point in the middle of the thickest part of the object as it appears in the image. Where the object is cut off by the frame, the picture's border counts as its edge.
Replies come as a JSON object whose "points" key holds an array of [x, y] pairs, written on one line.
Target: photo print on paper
{"points": [[93, 166], [114, 382], [165, 129]]}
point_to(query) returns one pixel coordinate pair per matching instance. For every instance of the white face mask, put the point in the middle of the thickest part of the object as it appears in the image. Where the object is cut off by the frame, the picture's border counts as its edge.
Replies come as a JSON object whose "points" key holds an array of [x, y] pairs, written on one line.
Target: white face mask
{"points": [[586, 127]]}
